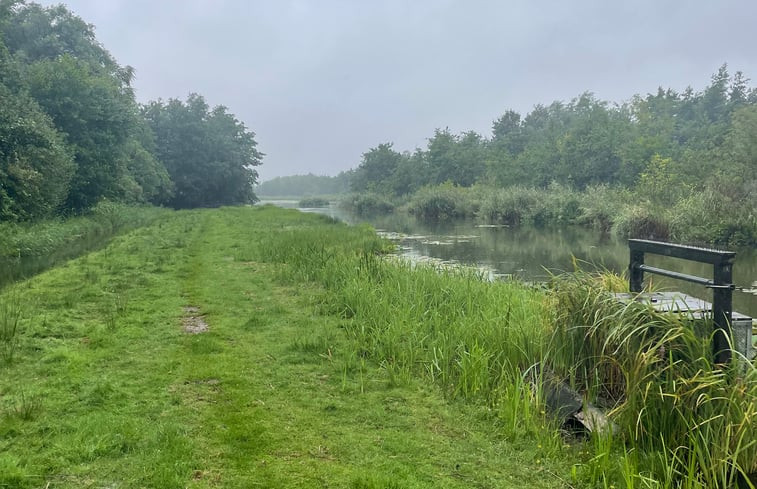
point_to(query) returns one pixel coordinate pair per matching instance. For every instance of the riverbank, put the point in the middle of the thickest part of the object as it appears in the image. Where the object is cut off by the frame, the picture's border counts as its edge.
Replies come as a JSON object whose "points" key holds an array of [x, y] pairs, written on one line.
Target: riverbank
{"points": [[28, 248], [106, 387], [259, 346]]}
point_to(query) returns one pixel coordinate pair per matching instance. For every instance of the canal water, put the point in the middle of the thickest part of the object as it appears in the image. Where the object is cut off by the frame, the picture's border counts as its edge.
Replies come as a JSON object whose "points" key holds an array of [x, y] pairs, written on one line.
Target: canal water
{"points": [[532, 254]]}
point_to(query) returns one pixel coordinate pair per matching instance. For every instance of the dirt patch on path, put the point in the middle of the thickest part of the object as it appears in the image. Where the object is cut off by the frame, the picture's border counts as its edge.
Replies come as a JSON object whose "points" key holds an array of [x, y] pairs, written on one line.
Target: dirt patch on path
{"points": [[193, 322]]}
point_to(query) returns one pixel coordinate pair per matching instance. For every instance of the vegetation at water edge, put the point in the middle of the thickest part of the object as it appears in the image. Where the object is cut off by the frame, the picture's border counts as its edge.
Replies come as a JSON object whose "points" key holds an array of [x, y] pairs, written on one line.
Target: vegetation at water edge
{"points": [[313, 202]]}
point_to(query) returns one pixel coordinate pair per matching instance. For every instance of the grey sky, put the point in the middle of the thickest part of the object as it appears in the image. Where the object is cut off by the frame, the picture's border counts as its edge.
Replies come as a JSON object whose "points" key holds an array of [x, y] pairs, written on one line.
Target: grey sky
{"points": [[321, 81]]}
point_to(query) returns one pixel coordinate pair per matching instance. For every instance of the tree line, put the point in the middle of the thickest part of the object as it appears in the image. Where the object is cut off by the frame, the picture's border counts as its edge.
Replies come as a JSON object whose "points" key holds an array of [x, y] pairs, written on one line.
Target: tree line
{"points": [[667, 142], [305, 185], [73, 134]]}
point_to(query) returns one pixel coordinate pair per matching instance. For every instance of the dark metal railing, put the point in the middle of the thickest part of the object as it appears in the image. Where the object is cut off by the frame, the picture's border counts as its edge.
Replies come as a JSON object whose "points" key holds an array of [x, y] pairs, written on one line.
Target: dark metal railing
{"points": [[721, 282]]}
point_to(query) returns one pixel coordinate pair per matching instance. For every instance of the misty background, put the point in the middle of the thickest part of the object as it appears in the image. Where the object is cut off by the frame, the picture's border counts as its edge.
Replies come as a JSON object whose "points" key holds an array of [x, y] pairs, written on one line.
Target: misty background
{"points": [[321, 82]]}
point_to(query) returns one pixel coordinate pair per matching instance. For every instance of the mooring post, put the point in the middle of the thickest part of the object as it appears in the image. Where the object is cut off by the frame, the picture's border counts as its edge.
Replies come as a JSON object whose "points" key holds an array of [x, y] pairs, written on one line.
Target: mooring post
{"points": [[722, 308], [635, 273]]}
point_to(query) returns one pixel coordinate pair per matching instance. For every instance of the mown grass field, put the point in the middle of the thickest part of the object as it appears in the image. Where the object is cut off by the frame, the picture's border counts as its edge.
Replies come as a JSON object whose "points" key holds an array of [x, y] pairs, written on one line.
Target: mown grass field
{"points": [[102, 387]]}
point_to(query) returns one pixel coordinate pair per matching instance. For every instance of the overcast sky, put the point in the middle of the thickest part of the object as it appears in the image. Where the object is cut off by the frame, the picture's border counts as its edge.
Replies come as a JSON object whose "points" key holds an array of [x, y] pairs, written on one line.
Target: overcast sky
{"points": [[322, 81]]}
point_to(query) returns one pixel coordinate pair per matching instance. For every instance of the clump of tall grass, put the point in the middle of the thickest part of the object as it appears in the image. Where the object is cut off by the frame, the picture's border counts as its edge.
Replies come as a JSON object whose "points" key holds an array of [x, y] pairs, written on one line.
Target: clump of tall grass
{"points": [[442, 202], [721, 216], [656, 374], [367, 204], [10, 319], [556, 204], [601, 204], [645, 222], [512, 206]]}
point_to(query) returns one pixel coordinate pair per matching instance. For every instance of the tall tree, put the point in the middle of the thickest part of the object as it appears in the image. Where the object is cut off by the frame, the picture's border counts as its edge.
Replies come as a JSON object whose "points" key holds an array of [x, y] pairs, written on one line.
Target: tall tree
{"points": [[376, 170], [89, 98], [35, 165], [460, 160], [96, 119], [209, 154]]}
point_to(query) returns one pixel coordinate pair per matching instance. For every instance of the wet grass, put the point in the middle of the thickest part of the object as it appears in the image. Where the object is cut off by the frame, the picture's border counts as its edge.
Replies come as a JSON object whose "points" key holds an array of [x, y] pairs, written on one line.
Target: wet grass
{"points": [[106, 390], [326, 365]]}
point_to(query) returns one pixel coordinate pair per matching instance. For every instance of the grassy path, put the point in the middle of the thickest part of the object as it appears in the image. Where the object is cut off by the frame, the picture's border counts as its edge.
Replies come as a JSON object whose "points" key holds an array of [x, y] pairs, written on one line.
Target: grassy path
{"points": [[107, 390]]}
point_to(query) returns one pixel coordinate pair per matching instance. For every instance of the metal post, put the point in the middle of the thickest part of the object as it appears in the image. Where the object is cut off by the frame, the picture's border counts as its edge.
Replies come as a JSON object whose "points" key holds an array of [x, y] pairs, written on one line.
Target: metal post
{"points": [[635, 273], [722, 308]]}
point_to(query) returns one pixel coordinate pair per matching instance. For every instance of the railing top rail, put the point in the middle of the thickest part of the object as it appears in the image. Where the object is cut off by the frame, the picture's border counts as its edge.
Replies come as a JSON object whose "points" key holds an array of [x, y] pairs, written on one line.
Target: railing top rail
{"points": [[693, 253]]}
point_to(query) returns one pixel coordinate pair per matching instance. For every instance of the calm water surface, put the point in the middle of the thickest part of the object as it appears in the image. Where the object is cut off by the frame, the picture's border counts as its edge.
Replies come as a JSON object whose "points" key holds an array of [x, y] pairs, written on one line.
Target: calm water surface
{"points": [[533, 253]]}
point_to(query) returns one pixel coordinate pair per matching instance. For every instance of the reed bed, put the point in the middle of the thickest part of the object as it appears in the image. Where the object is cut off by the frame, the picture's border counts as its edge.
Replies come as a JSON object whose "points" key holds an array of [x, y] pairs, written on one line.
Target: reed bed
{"points": [[680, 421]]}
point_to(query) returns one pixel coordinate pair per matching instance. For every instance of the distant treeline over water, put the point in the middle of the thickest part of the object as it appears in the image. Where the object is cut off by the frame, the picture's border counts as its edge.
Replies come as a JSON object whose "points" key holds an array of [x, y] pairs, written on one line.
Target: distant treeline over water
{"points": [[670, 165]]}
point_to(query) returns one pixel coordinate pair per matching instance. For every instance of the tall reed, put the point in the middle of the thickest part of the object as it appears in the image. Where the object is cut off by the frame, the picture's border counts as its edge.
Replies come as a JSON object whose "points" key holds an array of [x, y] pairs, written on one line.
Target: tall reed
{"points": [[656, 374]]}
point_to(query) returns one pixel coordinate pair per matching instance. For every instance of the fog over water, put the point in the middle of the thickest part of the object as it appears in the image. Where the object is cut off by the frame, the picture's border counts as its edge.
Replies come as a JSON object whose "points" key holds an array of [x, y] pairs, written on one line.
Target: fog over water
{"points": [[320, 82]]}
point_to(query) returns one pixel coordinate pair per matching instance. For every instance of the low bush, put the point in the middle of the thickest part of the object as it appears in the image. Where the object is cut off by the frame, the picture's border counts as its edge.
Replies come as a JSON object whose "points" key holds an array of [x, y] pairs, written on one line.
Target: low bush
{"points": [[643, 222], [367, 204], [313, 202], [441, 202]]}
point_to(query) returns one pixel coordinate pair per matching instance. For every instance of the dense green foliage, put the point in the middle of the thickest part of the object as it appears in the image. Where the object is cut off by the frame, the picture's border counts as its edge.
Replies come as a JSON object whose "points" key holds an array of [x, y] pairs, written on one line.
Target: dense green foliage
{"points": [[689, 159], [35, 164], [301, 185], [218, 168], [72, 133]]}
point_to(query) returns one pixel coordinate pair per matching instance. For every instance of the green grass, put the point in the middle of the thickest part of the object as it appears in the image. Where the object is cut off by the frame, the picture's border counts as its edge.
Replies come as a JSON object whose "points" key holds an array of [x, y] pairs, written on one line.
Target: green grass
{"points": [[683, 421], [327, 365], [28, 248], [107, 390]]}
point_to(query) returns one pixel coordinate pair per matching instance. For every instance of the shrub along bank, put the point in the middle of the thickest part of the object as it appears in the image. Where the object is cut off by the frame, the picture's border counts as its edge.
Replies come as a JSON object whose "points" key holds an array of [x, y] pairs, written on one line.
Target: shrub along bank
{"points": [[708, 217]]}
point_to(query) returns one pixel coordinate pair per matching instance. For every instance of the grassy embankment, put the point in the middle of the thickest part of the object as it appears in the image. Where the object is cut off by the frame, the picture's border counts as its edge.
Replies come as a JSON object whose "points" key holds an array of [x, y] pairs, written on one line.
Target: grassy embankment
{"points": [[101, 386], [327, 365], [28, 248]]}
